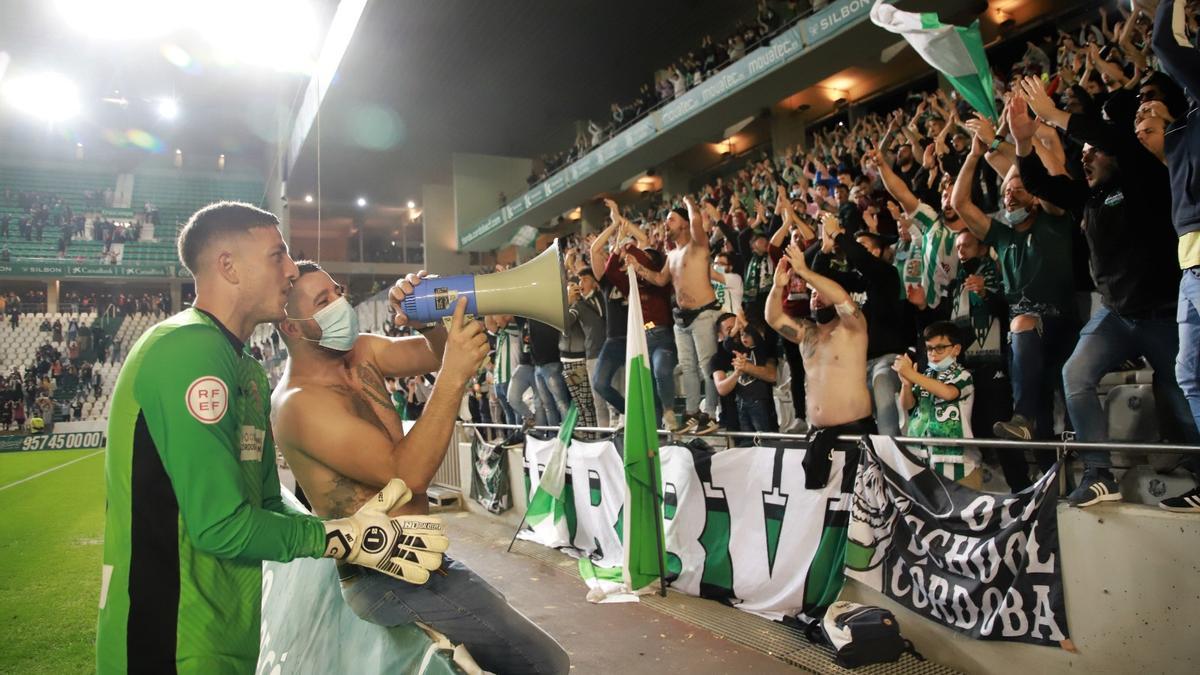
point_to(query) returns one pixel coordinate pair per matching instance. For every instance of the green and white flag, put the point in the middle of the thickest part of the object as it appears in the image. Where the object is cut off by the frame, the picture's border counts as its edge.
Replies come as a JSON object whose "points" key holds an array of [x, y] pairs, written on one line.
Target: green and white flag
{"points": [[547, 510], [955, 51], [642, 533]]}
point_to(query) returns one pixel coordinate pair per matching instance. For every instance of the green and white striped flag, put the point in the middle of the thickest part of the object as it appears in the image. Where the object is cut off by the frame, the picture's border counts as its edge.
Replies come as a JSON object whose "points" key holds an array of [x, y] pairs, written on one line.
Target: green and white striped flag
{"points": [[643, 472], [955, 51], [547, 511]]}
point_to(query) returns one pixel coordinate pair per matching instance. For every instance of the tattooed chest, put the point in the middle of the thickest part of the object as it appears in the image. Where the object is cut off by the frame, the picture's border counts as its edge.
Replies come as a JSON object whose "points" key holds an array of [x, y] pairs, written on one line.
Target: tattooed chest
{"points": [[370, 401]]}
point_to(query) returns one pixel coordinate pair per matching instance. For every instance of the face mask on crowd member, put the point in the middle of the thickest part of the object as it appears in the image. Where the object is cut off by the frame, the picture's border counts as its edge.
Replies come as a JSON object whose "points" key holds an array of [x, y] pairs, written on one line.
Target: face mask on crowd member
{"points": [[333, 323], [821, 312], [942, 345], [970, 250], [1019, 205]]}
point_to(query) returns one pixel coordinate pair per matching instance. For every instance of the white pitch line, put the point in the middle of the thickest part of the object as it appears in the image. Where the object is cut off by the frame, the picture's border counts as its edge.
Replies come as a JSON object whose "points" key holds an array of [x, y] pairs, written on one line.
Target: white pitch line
{"points": [[53, 468]]}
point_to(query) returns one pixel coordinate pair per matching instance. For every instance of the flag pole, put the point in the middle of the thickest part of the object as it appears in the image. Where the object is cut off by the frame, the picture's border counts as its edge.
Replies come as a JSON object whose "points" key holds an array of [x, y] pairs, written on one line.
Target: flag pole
{"points": [[658, 538]]}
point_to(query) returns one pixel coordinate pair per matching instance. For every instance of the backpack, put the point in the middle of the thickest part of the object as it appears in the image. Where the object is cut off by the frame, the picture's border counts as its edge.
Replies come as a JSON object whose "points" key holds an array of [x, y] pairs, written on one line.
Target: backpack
{"points": [[861, 635]]}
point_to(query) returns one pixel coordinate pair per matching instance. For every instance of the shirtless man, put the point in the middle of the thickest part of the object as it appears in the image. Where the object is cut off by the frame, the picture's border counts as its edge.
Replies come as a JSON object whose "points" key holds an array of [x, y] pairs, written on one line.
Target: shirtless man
{"points": [[833, 349], [687, 269], [336, 426]]}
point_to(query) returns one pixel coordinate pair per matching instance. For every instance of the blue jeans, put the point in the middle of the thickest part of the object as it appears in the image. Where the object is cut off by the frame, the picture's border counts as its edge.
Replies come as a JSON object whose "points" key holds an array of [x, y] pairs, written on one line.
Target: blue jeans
{"points": [[1104, 343], [1034, 356], [522, 379], [610, 360], [510, 415], [466, 609], [1187, 365], [884, 385], [696, 345], [754, 415], [660, 342], [552, 392]]}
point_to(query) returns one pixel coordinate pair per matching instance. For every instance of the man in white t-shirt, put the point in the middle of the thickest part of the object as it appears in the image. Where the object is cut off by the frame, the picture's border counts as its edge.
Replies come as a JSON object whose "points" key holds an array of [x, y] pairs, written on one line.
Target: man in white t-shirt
{"points": [[727, 284]]}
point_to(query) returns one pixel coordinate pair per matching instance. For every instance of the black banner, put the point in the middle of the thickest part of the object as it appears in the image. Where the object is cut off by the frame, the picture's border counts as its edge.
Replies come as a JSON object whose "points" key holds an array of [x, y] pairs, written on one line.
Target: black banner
{"points": [[489, 475], [986, 565]]}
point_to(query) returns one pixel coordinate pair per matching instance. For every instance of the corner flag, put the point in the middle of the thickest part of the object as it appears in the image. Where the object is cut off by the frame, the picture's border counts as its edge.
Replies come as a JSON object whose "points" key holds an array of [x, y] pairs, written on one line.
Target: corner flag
{"points": [[954, 51]]}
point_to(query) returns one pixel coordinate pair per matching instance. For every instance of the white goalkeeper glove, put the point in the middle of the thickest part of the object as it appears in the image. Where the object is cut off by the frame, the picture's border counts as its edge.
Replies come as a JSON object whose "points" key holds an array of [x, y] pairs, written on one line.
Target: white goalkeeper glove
{"points": [[405, 547]]}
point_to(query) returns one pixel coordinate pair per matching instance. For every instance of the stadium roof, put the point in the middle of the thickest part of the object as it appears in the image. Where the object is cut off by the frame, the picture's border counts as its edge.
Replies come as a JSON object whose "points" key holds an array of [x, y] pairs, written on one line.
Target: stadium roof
{"points": [[422, 80]]}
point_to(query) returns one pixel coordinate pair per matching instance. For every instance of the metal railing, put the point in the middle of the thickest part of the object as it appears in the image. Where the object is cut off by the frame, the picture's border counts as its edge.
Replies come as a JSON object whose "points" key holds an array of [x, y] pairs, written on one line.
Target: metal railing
{"points": [[1110, 446]]}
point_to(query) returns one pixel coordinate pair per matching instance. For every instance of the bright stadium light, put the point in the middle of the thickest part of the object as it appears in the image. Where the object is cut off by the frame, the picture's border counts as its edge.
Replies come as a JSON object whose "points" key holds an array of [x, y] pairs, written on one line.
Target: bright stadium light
{"points": [[278, 34], [48, 96], [361, 201], [307, 199], [168, 108], [412, 204], [123, 19]]}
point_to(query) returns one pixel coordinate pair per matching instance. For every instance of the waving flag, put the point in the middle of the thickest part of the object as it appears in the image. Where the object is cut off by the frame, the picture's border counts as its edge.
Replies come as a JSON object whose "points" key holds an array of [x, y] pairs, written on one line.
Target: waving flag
{"points": [[954, 51], [643, 516], [547, 512]]}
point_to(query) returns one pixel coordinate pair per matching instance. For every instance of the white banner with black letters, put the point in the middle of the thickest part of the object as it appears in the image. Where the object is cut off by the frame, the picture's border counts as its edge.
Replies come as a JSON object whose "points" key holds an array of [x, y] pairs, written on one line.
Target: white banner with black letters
{"points": [[983, 564]]}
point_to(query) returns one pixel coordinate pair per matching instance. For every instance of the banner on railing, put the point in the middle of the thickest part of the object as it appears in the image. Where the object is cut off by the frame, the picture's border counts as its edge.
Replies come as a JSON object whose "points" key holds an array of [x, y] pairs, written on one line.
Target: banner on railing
{"points": [[740, 525], [489, 475], [982, 564]]}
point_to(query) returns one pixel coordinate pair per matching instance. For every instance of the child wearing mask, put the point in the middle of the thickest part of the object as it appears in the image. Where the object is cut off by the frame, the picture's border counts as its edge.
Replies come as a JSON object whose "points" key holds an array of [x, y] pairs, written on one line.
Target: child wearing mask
{"points": [[939, 401]]}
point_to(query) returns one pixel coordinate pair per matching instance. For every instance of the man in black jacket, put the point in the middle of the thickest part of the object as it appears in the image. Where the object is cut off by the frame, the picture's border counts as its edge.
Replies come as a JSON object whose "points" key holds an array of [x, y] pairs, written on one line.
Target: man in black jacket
{"points": [[1181, 61], [1124, 203]]}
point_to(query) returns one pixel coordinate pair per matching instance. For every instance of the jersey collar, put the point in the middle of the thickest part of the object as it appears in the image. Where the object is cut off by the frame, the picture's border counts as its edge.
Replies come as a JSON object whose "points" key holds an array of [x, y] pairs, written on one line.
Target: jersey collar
{"points": [[234, 342]]}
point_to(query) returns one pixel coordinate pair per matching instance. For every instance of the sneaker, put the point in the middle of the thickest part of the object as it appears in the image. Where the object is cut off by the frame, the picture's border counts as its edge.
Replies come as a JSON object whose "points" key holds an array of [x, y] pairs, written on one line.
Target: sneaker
{"points": [[704, 424], [1018, 428], [686, 425], [1188, 502], [1095, 488], [673, 424]]}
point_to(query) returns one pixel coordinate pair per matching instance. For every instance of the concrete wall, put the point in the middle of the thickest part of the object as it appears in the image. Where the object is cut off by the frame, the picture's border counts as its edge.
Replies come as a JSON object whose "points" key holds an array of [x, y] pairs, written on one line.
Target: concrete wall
{"points": [[787, 129], [441, 238], [479, 180], [1132, 593]]}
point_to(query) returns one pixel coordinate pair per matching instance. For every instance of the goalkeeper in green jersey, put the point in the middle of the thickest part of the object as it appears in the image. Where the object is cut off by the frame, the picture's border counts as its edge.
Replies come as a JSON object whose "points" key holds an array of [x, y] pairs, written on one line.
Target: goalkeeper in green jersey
{"points": [[193, 502]]}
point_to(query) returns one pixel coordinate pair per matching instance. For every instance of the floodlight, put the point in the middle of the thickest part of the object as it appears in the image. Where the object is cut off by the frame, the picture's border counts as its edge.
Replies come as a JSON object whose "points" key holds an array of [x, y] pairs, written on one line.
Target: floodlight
{"points": [[49, 96], [168, 108]]}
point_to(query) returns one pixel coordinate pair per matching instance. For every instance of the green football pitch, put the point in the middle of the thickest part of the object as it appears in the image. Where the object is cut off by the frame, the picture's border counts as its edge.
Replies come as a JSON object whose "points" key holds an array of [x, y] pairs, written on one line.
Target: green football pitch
{"points": [[51, 527]]}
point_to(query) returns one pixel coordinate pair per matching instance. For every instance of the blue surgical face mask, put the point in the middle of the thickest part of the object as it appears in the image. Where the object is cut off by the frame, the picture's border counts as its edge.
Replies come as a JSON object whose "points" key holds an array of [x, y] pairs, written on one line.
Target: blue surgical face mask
{"points": [[945, 363], [339, 325], [1014, 218]]}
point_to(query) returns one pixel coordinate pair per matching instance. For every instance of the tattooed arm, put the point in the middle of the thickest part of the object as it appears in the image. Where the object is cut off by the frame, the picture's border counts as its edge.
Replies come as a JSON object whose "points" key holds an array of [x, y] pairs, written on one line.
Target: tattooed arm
{"points": [[405, 356]]}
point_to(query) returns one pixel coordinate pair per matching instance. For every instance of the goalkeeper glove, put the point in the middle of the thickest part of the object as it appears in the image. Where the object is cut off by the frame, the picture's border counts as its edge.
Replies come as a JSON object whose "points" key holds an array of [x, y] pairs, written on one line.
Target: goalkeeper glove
{"points": [[405, 547]]}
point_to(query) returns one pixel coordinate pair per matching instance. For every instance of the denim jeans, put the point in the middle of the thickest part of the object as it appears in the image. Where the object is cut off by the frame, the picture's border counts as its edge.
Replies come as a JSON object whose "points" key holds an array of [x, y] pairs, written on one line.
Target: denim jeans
{"points": [[522, 380], [1104, 343], [1187, 365], [696, 345], [754, 415], [660, 342], [611, 360], [510, 414], [552, 392], [604, 418], [466, 609], [1035, 355], [884, 384]]}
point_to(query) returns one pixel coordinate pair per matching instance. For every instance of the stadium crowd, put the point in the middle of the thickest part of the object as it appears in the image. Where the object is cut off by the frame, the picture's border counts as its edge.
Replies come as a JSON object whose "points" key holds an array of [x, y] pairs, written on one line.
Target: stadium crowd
{"points": [[698, 65], [974, 247]]}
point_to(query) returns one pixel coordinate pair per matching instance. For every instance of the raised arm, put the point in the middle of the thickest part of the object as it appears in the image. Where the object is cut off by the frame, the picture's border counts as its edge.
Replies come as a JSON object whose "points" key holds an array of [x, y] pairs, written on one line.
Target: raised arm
{"points": [[773, 313], [1178, 57], [895, 185], [696, 220], [974, 217], [830, 290]]}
